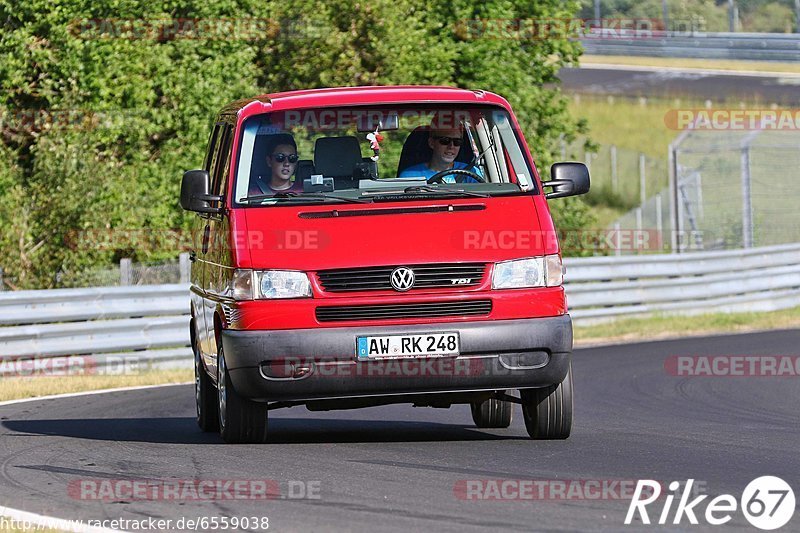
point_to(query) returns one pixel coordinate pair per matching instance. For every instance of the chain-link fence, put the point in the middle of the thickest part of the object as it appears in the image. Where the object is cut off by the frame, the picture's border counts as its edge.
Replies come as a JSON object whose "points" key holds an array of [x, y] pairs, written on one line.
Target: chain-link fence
{"points": [[621, 177], [739, 189], [126, 273], [734, 189]]}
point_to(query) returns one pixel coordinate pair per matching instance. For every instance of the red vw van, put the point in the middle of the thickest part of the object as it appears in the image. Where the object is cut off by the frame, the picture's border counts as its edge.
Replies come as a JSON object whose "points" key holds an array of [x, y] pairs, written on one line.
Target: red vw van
{"points": [[376, 245]]}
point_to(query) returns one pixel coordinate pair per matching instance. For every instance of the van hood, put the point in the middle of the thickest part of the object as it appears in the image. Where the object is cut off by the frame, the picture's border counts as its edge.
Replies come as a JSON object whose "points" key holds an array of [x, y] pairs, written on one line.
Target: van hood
{"points": [[316, 237]]}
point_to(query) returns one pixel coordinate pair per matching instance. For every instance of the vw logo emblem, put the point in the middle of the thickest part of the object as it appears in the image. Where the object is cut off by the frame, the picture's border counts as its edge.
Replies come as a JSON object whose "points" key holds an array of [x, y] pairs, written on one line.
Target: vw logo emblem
{"points": [[402, 278]]}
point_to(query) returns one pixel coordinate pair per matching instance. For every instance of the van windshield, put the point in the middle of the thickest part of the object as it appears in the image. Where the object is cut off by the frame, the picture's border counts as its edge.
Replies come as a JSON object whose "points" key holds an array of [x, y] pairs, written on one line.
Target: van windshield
{"points": [[371, 153]]}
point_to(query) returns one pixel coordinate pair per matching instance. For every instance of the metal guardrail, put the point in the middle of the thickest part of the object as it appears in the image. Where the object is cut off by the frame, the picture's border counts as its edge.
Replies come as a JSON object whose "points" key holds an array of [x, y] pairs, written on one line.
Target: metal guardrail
{"points": [[148, 324], [755, 279], [100, 329], [753, 46]]}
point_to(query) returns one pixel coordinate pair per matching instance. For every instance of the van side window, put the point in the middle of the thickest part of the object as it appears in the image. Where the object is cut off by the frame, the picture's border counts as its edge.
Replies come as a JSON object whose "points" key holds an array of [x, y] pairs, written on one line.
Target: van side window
{"points": [[222, 161], [212, 147]]}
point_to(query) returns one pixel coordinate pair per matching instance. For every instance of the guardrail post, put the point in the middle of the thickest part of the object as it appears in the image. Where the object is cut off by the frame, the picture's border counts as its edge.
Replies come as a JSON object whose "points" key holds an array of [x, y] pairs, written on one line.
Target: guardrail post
{"points": [[125, 271], [2, 285], [185, 268]]}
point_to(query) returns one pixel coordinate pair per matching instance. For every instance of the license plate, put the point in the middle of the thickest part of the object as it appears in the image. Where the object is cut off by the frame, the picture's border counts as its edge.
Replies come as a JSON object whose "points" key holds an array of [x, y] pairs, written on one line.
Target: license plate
{"points": [[428, 345]]}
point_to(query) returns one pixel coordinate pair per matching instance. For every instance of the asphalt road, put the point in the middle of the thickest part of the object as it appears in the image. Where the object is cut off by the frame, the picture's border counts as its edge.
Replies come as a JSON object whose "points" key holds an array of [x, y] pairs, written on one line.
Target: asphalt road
{"points": [[395, 468], [697, 85]]}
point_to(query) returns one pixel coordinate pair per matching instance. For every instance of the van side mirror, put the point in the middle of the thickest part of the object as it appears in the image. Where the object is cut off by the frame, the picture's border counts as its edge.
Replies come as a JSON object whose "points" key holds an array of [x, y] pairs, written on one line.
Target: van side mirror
{"points": [[567, 179], [195, 195]]}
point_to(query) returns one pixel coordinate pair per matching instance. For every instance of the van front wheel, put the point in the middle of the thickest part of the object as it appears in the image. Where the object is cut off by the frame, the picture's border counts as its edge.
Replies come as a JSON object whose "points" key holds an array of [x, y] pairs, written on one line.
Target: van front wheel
{"points": [[241, 420], [548, 411]]}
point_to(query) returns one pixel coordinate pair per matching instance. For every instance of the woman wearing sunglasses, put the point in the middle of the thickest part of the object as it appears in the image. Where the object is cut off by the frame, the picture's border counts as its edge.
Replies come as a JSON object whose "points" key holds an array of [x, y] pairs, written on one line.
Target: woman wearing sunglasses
{"points": [[282, 163], [445, 145]]}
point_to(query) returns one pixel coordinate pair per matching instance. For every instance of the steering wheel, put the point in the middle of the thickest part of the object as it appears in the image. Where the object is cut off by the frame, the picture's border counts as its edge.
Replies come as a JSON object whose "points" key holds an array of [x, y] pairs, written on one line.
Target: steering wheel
{"points": [[460, 173]]}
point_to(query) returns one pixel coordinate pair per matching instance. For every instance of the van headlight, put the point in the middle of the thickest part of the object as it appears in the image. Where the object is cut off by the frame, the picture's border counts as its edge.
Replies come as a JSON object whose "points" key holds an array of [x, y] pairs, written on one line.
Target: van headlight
{"points": [[532, 272], [270, 284]]}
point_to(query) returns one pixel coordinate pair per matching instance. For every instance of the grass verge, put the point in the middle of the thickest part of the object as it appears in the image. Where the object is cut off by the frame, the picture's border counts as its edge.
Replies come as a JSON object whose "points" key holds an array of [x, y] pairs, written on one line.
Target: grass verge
{"points": [[710, 64], [630, 124], [13, 388], [663, 327]]}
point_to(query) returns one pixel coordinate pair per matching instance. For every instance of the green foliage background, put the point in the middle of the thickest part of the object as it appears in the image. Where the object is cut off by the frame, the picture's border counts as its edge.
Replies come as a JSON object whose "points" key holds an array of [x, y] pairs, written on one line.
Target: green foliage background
{"points": [[140, 109]]}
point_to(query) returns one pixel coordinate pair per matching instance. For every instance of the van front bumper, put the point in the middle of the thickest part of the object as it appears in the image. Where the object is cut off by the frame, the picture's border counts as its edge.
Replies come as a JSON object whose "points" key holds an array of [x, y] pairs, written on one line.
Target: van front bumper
{"points": [[314, 364]]}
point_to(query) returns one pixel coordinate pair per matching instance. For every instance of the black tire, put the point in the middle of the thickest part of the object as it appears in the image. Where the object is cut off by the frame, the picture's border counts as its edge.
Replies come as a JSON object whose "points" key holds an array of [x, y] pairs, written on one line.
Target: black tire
{"points": [[492, 413], [205, 393], [548, 411], [241, 420]]}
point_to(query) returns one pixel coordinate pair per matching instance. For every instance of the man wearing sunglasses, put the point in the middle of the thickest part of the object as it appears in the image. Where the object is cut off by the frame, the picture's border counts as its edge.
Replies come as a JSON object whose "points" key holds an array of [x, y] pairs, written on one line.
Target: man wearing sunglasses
{"points": [[445, 145], [282, 163]]}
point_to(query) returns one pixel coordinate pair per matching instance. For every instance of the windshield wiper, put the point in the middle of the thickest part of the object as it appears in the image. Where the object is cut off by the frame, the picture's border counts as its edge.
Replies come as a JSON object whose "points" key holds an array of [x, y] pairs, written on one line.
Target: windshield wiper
{"points": [[427, 189], [294, 196]]}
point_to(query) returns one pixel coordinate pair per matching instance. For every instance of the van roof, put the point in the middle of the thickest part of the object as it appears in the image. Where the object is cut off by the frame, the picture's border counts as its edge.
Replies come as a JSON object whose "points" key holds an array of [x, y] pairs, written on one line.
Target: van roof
{"points": [[336, 96]]}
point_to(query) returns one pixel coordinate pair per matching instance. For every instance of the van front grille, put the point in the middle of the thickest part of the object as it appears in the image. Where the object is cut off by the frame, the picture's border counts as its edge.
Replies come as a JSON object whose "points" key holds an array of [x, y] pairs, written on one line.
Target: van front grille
{"points": [[413, 310], [379, 278]]}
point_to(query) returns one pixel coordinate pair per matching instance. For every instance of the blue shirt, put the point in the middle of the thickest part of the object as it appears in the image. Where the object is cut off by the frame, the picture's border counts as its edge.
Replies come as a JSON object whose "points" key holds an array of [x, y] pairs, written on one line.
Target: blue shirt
{"points": [[422, 170]]}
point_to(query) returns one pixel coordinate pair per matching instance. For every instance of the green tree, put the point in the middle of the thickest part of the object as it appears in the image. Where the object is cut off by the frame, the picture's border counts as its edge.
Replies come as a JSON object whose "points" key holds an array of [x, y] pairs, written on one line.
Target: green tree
{"points": [[100, 120]]}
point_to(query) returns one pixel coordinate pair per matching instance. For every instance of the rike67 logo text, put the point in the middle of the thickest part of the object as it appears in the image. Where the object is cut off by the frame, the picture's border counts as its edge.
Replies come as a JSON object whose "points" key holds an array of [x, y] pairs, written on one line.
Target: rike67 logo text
{"points": [[767, 503]]}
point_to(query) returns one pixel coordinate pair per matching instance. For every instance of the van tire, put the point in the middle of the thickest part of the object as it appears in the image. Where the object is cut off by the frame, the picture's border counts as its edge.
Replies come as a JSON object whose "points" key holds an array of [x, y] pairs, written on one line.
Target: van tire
{"points": [[241, 420], [548, 411], [492, 413], [205, 393]]}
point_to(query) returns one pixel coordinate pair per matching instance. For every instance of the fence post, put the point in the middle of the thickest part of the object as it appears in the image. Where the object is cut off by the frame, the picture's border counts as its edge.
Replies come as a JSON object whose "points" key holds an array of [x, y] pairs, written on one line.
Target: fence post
{"points": [[642, 177], [659, 223], [747, 204], [125, 271], [614, 184], [673, 199], [797, 16], [183, 262], [2, 285]]}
